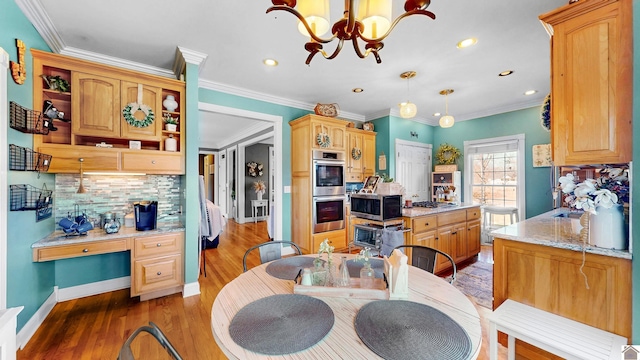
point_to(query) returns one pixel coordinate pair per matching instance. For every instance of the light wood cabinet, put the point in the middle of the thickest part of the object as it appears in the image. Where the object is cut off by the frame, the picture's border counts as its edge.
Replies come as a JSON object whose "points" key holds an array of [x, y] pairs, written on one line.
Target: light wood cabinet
{"points": [[304, 133], [358, 168], [455, 232], [95, 105], [156, 265], [93, 115], [550, 279], [591, 59]]}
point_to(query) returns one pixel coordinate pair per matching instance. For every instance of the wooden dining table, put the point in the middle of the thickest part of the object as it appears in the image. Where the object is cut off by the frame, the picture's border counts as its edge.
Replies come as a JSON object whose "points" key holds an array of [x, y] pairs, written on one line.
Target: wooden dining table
{"points": [[342, 341]]}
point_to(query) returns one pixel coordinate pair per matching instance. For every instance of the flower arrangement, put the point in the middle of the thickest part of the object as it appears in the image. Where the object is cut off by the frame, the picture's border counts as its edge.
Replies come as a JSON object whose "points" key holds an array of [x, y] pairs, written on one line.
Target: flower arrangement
{"points": [[259, 186], [364, 255], [325, 248], [610, 188]]}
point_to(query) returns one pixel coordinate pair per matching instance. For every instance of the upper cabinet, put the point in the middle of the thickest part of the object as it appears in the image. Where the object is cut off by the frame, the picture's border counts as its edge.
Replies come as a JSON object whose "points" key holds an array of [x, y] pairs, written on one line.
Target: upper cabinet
{"points": [[361, 152], [94, 122], [328, 134], [591, 82]]}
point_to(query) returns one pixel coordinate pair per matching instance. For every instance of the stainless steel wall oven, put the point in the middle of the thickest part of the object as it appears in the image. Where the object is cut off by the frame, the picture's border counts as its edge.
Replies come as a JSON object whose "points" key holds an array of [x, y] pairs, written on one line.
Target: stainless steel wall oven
{"points": [[328, 213], [329, 176]]}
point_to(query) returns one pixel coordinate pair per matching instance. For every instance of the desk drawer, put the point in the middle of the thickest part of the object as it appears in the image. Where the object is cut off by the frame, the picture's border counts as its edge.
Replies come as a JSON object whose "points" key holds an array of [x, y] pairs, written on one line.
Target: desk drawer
{"points": [[156, 274], [424, 223], [78, 250], [157, 245]]}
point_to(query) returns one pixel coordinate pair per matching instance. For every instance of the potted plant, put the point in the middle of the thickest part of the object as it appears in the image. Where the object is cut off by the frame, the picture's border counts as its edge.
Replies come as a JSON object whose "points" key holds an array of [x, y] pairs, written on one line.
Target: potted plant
{"points": [[170, 123]]}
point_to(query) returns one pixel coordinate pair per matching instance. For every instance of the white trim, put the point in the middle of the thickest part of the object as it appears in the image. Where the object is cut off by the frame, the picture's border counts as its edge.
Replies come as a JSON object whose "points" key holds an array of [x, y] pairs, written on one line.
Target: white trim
{"points": [[95, 288], [30, 328], [35, 12], [191, 289], [277, 135], [114, 61], [521, 202], [261, 126], [4, 196], [186, 56], [241, 184]]}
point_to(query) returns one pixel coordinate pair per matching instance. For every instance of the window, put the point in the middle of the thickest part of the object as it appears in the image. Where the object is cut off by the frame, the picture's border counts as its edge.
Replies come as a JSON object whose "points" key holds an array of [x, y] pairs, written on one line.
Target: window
{"points": [[494, 170]]}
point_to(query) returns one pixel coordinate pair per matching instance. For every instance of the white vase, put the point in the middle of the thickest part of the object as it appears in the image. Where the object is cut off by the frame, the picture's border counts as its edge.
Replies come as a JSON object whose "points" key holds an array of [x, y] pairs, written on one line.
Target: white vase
{"points": [[170, 103], [607, 229], [259, 195]]}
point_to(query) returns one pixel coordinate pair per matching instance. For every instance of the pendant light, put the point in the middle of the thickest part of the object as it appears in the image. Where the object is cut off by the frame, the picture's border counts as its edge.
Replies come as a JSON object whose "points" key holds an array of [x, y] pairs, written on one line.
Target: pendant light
{"points": [[447, 120], [408, 109], [81, 189]]}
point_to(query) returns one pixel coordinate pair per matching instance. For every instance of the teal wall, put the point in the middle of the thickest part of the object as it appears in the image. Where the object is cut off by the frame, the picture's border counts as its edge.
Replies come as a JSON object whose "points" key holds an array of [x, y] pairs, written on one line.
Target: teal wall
{"points": [[635, 196], [537, 180], [288, 114], [389, 129], [28, 283]]}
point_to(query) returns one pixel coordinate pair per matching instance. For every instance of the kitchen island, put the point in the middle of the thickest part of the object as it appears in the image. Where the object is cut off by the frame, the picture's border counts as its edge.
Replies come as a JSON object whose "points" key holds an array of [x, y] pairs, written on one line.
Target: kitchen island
{"points": [[542, 263], [156, 255], [454, 229]]}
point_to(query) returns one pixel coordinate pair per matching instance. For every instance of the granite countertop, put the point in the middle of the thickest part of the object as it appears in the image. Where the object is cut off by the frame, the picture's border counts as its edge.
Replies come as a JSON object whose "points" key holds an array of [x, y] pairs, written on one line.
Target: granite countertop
{"points": [[421, 211], [59, 238], [549, 230]]}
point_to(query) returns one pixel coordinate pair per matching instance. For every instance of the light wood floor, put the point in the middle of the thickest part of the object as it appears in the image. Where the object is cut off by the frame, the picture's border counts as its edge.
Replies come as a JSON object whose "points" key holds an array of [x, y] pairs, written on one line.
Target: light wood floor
{"points": [[96, 327]]}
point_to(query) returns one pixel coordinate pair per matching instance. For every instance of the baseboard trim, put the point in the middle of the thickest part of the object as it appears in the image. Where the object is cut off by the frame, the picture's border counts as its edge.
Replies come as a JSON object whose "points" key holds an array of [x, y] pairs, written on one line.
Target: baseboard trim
{"points": [[30, 328], [80, 291], [191, 289]]}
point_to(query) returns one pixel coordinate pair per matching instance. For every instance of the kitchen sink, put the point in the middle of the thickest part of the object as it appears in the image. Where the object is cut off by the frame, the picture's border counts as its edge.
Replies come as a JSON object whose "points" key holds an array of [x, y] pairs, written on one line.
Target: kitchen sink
{"points": [[571, 215]]}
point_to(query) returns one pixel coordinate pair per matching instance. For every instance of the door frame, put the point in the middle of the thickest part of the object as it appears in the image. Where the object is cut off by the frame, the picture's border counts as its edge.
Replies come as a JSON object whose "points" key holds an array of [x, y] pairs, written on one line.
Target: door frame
{"points": [[414, 144], [276, 121], [4, 67]]}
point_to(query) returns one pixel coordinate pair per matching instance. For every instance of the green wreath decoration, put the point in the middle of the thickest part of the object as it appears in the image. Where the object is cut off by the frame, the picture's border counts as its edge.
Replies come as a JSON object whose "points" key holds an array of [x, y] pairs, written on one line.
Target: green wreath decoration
{"points": [[447, 154], [128, 112], [323, 140], [356, 153]]}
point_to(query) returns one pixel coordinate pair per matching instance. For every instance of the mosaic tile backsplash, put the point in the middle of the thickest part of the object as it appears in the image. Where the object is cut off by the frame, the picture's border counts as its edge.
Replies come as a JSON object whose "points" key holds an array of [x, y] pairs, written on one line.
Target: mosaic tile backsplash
{"points": [[117, 194]]}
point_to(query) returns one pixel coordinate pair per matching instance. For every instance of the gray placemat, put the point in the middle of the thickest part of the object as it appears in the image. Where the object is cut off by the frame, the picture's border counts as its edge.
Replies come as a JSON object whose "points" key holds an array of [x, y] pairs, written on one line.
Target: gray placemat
{"points": [[398, 329], [288, 268], [376, 264], [281, 324]]}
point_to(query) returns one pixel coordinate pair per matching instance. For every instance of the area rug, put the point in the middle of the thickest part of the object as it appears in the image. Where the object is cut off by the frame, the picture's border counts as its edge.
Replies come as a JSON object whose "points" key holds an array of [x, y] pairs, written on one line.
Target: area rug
{"points": [[476, 281]]}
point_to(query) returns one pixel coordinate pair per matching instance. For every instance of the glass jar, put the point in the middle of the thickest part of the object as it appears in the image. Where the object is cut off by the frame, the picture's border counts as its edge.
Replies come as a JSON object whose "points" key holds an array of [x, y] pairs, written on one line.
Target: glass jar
{"points": [[367, 276], [318, 273], [343, 279]]}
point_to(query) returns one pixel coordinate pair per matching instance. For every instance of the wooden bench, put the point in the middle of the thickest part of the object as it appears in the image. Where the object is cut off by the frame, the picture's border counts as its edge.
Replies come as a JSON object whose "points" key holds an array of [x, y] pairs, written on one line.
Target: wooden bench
{"points": [[556, 334]]}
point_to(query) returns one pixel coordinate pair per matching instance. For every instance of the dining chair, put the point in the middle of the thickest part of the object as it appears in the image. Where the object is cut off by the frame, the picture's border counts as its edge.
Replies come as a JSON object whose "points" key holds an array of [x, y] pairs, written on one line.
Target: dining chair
{"points": [[424, 257], [269, 251], [153, 329]]}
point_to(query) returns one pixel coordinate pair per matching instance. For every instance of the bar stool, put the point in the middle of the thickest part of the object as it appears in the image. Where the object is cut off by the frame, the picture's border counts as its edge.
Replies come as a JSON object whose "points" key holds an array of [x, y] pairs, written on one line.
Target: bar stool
{"points": [[487, 219]]}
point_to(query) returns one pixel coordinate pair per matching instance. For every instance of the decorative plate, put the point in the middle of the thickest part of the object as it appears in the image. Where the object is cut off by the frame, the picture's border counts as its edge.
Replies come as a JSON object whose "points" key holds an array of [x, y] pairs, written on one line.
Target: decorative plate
{"points": [[367, 126], [329, 110]]}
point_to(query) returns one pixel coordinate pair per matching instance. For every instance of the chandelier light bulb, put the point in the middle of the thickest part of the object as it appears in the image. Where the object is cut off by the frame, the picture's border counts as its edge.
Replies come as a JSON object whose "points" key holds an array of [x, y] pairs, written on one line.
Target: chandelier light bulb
{"points": [[447, 121]]}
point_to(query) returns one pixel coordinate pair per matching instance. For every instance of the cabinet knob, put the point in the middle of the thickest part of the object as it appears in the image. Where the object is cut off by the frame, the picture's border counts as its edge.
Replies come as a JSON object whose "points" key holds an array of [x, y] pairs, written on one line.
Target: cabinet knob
{"points": [[453, 233], [426, 224], [153, 162], [158, 244], [159, 272], [85, 250], [437, 238]]}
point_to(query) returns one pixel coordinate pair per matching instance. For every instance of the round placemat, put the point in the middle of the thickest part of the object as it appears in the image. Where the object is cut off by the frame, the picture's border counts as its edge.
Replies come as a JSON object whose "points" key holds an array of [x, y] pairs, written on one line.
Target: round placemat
{"points": [[376, 264], [398, 329], [288, 268], [281, 324]]}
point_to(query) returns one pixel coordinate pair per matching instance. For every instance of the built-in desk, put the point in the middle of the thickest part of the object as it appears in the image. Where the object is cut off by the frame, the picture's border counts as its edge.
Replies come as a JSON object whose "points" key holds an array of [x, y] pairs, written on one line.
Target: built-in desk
{"points": [[156, 255]]}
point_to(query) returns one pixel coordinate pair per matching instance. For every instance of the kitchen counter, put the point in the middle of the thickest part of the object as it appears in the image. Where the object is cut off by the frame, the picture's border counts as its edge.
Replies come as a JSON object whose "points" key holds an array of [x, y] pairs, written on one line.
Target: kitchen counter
{"points": [[421, 211], [549, 230], [59, 238]]}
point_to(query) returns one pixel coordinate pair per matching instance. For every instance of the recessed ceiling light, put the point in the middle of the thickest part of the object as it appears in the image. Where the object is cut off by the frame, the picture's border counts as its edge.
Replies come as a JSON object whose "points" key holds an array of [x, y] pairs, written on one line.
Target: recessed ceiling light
{"points": [[506, 73], [270, 62], [436, 114], [357, 90], [530, 92], [466, 43]]}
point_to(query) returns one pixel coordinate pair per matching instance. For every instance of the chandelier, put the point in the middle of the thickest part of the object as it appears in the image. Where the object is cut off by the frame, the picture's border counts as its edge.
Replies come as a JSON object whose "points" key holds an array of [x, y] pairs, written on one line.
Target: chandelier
{"points": [[407, 108], [370, 22]]}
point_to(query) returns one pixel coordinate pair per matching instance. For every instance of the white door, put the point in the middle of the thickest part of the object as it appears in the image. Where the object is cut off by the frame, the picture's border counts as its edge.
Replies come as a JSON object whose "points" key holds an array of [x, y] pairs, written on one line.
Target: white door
{"points": [[221, 174], [413, 169]]}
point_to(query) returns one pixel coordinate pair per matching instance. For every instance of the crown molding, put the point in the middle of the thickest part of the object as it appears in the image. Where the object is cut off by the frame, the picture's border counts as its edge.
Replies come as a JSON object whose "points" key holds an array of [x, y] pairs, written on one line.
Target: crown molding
{"points": [[227, 89], [532, 102], [186, 56], [34, 11], [114, 61]]}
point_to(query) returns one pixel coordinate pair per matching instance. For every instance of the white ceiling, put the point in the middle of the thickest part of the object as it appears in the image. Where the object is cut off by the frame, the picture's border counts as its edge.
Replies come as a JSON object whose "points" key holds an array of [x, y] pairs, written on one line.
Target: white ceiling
{"points": [[236, 36]]}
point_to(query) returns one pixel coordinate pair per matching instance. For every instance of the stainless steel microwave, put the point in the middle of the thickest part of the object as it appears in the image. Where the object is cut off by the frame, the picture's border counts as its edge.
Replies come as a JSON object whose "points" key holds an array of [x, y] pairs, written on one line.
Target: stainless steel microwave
{"points": [[376, 207]]}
